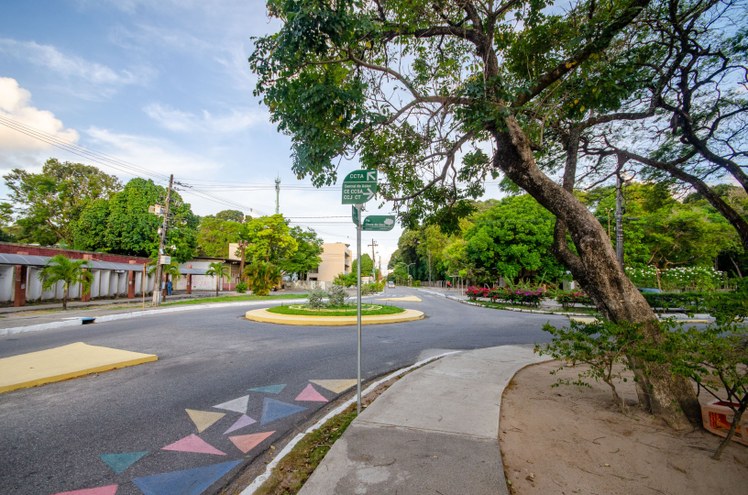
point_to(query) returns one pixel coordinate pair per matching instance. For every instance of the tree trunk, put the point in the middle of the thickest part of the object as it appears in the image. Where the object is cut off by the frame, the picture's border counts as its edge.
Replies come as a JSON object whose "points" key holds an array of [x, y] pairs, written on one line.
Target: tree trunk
{"points": [[65, 293], [664, 394]]}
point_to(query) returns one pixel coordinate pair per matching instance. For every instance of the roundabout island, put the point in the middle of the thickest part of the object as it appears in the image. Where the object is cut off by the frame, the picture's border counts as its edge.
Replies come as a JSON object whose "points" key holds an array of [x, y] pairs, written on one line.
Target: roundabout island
{"points": [[302, 315]]}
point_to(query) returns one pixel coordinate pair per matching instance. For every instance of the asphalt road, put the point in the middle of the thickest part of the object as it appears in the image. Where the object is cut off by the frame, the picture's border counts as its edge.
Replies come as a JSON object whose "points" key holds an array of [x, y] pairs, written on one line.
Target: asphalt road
{"points": [[52, 438]]}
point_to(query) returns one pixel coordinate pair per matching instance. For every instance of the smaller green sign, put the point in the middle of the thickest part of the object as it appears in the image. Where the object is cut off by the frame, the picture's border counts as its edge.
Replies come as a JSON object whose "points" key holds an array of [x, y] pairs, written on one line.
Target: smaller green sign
{"points": [[354, 214], [379, 223]]}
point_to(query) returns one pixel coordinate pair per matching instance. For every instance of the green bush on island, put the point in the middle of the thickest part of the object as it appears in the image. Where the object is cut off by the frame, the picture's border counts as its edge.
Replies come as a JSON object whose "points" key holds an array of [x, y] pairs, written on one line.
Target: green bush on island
{"points": [[345, 310]]}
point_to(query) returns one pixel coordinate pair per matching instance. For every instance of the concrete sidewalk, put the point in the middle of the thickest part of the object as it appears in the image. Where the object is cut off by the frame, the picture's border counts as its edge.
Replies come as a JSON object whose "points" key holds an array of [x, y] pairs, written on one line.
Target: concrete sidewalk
{"points": [[436, 430]]}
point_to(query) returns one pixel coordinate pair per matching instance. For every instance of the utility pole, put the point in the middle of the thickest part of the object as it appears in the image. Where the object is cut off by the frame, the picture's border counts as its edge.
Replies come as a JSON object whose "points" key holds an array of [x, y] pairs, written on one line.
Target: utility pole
{"points": [[161, 242], [277, 194], [373, 264]]}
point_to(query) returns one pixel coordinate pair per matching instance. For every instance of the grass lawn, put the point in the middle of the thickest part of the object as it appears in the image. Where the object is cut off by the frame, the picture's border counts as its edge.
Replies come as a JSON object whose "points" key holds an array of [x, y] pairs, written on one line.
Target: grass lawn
{"points": [[347, 310]]}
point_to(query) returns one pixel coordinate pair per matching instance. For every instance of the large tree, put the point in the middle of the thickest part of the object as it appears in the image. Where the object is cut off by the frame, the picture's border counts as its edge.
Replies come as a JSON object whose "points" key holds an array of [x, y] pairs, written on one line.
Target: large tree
{"points": [[124, 225], [215, 233], [307, 256], [439, 95], [49, 203], [513, 239]]}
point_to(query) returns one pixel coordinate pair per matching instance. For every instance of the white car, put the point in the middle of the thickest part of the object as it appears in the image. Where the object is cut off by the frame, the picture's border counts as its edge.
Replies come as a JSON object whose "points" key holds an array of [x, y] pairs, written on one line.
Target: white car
{"points": [[391, 285]]}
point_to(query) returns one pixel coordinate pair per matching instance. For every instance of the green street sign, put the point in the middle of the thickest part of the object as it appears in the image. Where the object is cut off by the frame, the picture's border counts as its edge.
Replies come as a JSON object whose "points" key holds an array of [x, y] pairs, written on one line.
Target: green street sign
{"points": [[354, 214], [379, 223], [359, 187]]}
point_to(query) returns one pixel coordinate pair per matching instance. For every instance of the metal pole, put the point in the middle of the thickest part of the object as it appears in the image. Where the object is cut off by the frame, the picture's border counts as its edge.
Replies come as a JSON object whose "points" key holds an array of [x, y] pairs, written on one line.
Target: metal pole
{"points": [[358, 313], [161, 242]]}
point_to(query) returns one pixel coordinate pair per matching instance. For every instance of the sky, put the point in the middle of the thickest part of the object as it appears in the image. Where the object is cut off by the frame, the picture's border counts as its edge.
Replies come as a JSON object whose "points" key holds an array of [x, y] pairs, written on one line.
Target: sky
{"points": [[143, 88]]}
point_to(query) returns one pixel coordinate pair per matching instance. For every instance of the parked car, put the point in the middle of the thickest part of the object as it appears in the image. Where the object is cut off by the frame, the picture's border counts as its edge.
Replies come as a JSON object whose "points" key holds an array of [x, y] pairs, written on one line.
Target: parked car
{"points": [[391, 284]]}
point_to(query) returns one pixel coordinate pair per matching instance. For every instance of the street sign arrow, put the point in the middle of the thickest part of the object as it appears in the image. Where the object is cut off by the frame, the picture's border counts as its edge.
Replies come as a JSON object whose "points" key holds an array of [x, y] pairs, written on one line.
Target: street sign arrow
{"points": [[359, 187]]}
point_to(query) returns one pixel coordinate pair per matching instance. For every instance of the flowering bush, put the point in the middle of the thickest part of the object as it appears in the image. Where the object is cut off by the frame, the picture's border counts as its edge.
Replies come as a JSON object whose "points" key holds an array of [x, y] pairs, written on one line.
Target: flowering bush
{"points": [[568, 299], [694, 278], [474, 293], [519, 296]]}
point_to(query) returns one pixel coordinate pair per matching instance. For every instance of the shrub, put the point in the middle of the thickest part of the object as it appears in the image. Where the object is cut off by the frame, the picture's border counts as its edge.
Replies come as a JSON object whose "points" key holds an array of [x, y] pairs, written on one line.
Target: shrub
{"points": [[241, 287], [337, 295], [568, 299], [317, 298], [601, 345], [474, 293]]}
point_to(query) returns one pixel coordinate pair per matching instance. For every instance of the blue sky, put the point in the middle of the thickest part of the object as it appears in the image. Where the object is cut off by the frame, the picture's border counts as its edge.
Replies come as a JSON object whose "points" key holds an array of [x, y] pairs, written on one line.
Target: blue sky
{"points": [[157, 88]]}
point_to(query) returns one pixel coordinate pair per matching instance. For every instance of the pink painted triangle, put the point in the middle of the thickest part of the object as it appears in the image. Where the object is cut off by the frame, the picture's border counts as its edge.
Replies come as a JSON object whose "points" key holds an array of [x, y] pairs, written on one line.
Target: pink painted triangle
{"points": [[243, 421], [102, 490], [310, 394], [245, 443], [193, 443]]}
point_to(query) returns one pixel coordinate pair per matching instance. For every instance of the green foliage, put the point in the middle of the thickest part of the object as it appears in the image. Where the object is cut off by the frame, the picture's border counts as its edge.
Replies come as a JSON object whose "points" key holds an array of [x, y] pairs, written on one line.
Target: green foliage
{"points": [[307, 255], [51, 202], [316, 298], [124, 226], [716, 358], [337, 295], [214, 234], [269, 240], [696, 278], [241, 287], [262, 277], [512, 240], [69, 272], [601, 345], [345, 279], [367, 265]]}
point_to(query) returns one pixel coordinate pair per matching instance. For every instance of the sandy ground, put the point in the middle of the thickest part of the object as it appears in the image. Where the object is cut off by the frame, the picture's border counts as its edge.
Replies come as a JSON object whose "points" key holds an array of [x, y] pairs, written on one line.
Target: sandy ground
{"points": [[572, 440]]}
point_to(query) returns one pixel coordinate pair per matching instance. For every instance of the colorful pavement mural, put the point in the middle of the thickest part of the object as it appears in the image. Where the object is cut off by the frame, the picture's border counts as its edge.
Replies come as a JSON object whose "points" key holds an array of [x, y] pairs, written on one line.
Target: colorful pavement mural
{"points": [[240, 433]]}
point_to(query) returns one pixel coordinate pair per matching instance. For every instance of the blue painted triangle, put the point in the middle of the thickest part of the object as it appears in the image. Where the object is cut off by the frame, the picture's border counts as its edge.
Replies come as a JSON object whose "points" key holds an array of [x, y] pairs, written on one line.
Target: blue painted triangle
{"points": [[120, 462], [270, 389], [188, 482], [274, 409]]}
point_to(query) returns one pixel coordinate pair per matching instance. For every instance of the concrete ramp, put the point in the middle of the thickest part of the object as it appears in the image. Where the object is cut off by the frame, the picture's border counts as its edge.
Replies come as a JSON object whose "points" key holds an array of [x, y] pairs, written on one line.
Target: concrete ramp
{"points": [[63, 363]]}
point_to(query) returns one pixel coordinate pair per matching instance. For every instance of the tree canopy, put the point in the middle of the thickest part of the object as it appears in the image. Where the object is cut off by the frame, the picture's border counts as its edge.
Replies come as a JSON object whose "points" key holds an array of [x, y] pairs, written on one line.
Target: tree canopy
{"points": [[50, 203]]}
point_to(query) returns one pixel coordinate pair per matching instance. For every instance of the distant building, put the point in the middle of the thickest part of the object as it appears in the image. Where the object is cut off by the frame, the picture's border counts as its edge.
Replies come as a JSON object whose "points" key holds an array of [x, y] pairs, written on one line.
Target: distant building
{"points": [[336, 259]]}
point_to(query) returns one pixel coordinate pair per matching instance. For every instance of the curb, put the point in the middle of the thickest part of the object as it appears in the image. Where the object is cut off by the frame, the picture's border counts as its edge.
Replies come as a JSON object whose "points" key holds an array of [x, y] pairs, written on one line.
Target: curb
{"points": [[264, 316], [258, 481]]}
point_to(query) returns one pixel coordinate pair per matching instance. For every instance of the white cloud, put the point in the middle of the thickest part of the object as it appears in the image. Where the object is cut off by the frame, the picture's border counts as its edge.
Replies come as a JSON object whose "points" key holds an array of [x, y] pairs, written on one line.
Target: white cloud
{"points": [[186, 122], [15, 106], [73, 67]]}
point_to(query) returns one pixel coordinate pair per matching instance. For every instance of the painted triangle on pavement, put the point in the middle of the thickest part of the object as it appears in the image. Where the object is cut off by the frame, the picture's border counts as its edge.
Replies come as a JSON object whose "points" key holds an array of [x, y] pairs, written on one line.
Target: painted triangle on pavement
{"points": [[310, 394], [336, 386], [102, 490], [270, 389], [203, 419], [243, 421], [274, 409], [120, 462], [245, 443], [193, 443], [237, 405], [187, 482]]}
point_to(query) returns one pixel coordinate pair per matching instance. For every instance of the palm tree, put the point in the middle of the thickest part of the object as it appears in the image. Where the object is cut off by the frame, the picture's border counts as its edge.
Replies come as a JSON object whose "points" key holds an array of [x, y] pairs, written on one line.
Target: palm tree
{"points": [[263, 276], [219, 270], [69, 272], [170, 271]]}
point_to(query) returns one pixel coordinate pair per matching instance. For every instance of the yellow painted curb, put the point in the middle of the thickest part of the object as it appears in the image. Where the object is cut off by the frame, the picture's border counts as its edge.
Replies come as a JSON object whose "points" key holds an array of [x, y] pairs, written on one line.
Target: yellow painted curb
{"points": [[63, 363], [264, 316]]}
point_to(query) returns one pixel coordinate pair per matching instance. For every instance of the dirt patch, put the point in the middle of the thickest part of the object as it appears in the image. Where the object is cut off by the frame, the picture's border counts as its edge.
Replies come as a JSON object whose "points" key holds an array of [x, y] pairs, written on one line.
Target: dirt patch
{"points": [[571, 440]]}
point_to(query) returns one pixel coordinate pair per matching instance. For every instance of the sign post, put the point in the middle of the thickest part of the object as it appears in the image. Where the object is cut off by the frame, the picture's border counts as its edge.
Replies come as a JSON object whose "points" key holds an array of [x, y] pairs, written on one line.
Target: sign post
{"points": [[359, 187]]}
